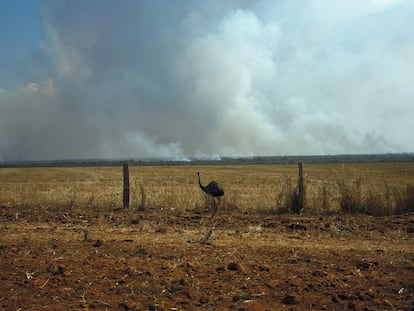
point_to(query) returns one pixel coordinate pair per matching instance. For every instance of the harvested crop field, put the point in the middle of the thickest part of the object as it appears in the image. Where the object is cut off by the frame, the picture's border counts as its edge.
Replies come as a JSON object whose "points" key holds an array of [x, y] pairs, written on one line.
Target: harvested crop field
{"points": [[66, 243]]}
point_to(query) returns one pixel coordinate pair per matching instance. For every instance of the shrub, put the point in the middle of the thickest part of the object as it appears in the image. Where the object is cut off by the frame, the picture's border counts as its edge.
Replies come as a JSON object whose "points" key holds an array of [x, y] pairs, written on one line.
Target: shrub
{"points": [[404, 200], [321, 201], [297, 201], [409, 198], [350, 198], [373, 202], [282, 198], [290, 199], [357, 197]]}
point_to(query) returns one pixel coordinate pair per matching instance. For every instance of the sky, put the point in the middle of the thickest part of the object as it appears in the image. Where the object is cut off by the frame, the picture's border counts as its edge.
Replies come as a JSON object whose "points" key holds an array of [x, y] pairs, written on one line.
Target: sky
{"points": [[177, 79]]}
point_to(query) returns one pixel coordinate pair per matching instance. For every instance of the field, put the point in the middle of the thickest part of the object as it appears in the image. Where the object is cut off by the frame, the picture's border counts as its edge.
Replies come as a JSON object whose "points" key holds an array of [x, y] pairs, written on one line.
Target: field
{"points": [[66, 243]]}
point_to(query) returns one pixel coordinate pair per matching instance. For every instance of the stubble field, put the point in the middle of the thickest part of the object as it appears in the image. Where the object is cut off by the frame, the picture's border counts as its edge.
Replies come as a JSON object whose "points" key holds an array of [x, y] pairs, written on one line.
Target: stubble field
{"points": [[66, 243]]}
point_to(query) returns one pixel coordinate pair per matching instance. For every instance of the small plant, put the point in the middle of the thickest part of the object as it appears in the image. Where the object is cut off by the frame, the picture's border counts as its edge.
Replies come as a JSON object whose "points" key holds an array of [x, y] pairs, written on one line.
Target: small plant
{"points": [[85, 235], [141, 206], [208, 234], [388, 197], [206, 230], [325, 197], [283, 197]]}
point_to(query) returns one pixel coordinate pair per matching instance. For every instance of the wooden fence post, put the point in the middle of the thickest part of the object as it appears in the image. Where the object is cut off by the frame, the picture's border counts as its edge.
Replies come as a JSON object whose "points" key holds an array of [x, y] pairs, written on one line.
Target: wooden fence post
{"points": [[126, 185]]}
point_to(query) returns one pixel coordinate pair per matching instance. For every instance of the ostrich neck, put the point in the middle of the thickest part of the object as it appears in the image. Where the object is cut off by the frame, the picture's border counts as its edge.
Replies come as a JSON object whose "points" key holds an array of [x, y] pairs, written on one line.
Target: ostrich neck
{"points": [[199, 182]]}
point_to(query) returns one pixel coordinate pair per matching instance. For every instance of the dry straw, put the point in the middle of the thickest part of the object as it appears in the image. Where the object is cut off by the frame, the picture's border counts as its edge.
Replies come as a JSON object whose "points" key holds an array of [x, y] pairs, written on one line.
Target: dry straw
{"points": [[373, 188]]}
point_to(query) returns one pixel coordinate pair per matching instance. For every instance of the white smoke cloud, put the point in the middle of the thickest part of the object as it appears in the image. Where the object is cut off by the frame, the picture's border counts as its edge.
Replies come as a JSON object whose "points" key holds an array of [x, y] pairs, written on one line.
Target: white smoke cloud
{"points": [[216, 78], [226, 76]]}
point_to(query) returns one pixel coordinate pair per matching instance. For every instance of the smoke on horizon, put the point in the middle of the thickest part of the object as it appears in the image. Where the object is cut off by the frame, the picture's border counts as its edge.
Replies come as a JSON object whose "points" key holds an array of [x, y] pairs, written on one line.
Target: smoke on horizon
{"points": [[174, 79]]}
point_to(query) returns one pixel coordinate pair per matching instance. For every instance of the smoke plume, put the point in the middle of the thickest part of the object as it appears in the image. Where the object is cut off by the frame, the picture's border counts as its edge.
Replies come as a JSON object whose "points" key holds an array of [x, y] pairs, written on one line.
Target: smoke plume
{"points": [[235, 78]]}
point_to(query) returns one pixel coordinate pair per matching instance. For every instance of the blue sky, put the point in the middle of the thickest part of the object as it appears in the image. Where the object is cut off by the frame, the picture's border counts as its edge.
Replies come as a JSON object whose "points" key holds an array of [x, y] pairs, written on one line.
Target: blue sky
{"points": [[21, 33], [101, 78]]}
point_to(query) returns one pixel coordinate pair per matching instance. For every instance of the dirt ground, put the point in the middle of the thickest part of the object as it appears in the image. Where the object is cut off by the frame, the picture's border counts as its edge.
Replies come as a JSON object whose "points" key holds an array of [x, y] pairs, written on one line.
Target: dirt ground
{"points": [[156, 260]]}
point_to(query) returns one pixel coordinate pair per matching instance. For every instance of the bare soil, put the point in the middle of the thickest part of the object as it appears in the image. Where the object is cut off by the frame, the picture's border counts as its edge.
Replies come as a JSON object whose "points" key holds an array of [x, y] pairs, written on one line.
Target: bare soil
{"points": [[112, 259]]}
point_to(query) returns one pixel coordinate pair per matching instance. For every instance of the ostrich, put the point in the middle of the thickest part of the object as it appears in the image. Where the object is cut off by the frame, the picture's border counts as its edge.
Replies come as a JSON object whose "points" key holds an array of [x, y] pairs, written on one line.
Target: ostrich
{"points": [[214, 190]]}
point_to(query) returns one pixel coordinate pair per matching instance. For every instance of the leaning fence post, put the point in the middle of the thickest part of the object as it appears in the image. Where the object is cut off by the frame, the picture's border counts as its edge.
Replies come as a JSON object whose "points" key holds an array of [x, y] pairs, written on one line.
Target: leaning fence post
{"points": [[126, 185]]}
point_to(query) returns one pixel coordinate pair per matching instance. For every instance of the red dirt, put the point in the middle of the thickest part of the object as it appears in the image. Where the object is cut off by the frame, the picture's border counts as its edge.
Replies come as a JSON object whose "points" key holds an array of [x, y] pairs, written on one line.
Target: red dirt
{"points": [[153, 260]]}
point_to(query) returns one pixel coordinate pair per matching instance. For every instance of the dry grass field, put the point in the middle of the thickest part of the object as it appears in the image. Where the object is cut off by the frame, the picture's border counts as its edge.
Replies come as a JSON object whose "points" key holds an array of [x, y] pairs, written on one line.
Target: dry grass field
{"points": [[66, 243]]}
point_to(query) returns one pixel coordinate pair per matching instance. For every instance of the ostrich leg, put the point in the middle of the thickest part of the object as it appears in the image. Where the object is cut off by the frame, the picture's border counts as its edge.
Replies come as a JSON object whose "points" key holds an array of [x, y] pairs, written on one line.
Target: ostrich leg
{"points": [[216, 203]]}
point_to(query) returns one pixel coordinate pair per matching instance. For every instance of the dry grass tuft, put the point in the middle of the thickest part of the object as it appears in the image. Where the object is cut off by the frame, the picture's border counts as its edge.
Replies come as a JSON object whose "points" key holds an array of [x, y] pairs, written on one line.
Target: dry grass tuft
{"points": [[362, 197]]}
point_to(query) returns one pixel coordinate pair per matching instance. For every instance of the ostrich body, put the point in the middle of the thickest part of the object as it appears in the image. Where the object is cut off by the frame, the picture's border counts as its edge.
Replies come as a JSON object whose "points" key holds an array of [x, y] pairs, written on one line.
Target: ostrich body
{"points": [[214, 190]]}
